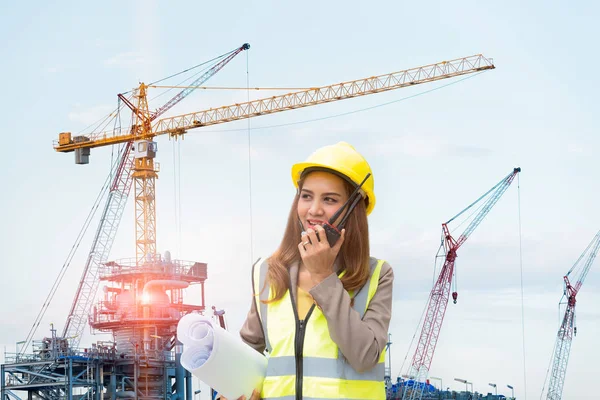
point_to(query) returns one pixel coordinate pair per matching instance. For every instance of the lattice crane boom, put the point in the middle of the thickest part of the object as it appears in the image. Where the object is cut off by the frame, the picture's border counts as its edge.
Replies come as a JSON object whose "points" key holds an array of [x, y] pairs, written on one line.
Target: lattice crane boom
{"points": [[146, 127], [178, 125], [123, 174], [199, 81], [568, 328], [101, 245], [440, 293]]}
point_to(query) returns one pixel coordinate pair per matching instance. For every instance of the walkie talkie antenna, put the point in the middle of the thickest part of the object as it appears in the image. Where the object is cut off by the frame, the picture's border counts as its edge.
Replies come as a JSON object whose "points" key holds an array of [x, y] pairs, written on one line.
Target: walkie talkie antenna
{"points": [[353, 200], [345, 218]]}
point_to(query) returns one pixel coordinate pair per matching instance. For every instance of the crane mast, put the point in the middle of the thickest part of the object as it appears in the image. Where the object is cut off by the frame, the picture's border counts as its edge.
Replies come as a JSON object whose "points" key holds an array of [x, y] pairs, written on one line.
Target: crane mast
{"points": [[568, 328], [142, 170], [440, 293], [101, 245], [127, 170]]}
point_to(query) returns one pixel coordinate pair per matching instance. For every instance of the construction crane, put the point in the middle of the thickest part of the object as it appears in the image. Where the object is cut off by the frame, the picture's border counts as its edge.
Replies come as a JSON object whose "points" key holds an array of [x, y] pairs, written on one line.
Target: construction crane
{"points": [[568, 327], [137, 158], [129, 166], [440, 293]]}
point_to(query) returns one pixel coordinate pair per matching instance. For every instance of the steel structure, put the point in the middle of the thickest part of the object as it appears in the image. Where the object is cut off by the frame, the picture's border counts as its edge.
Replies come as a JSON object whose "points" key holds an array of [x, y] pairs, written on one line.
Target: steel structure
{"points": [[101, 245], [179, 125], [568, 327], [440, 293], [142, 170], [143, 298], [54, 371], [141, 134]]}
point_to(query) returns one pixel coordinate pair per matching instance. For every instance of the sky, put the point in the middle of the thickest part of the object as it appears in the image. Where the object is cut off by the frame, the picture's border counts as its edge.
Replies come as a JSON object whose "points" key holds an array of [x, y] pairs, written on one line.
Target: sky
{"points": [[224, 192]]}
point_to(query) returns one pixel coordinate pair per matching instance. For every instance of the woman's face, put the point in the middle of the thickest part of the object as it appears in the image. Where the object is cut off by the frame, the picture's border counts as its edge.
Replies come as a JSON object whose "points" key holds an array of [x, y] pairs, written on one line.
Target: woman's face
{"points": [[321, 196]]}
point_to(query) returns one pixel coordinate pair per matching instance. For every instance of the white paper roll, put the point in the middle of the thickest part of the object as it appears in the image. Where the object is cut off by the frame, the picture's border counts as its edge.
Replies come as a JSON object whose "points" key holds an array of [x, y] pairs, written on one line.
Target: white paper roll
{"points": [[220, 359]]}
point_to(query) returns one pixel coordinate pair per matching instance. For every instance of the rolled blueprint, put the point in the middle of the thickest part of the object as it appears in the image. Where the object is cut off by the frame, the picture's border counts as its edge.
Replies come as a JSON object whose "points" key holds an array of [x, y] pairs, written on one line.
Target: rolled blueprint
{"points": [[219, 358]]}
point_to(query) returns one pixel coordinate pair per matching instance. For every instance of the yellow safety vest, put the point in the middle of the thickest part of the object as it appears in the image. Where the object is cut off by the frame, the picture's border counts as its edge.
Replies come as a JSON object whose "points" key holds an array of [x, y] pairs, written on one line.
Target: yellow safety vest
{"points": [[303, 360]]}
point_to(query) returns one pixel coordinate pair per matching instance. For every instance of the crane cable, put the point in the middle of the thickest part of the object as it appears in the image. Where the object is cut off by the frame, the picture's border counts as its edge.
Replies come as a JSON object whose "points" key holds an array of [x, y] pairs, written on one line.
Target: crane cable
{"points": [[194, 67], [437, 256], [249, 162], [353, 111], [522, 292], [419, 325], [177, 193], [551, 356], [179, 196], [70, 256]]}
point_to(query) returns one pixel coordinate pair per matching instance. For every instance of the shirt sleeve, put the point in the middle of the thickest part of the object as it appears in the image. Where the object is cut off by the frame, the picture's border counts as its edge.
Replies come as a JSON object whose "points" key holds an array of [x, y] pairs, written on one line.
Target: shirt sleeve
{"points": [[360, 341], [252, 330]]}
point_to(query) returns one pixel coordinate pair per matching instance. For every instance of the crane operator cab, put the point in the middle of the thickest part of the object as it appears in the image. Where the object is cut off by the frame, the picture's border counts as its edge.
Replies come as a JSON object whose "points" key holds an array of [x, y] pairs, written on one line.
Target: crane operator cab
{"points": [[145, 149]]}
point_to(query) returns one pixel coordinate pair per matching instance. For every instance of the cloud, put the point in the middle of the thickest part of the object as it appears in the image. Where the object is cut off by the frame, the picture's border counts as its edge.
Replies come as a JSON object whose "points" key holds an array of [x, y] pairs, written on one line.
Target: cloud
{"points": [[126, 60], [90, 115]]}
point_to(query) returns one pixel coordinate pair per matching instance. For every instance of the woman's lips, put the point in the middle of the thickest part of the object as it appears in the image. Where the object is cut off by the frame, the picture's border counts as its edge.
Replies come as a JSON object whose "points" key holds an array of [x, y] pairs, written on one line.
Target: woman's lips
{"points": [[312, 223]]}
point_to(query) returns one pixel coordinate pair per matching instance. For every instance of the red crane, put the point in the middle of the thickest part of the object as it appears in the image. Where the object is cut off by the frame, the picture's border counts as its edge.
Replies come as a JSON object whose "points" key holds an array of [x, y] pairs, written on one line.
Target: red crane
{"points": [[438, 298], [568, 327]]}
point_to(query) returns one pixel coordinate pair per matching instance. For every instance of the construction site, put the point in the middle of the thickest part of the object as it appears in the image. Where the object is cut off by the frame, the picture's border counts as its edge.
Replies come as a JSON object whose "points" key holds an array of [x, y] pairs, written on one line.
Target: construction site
{"points": [[138, 301]]}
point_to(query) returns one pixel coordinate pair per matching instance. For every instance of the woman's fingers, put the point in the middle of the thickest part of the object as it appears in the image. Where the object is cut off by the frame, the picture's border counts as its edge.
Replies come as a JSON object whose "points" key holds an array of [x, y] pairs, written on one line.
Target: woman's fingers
{"points": [[321, 234], [312, 235], [338, 245]]}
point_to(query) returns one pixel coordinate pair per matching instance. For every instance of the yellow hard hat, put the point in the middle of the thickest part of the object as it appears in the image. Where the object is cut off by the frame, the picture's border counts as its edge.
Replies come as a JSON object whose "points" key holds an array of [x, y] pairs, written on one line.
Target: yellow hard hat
{"points": [[345, 160]]}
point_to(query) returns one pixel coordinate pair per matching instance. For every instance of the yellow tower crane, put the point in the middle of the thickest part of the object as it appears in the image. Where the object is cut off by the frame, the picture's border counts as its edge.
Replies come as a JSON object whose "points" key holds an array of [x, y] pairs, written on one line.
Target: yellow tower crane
{"points": [[136, 162], [145, 130]]}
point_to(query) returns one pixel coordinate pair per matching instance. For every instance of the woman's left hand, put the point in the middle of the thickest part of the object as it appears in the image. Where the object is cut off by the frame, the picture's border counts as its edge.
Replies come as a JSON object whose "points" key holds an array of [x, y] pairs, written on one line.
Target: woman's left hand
{"points": [[318, 257]]}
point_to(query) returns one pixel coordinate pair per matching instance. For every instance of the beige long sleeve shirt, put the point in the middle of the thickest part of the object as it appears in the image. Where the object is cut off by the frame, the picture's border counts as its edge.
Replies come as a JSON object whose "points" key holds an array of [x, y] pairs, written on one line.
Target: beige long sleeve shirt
{"points": [[360, 341]]}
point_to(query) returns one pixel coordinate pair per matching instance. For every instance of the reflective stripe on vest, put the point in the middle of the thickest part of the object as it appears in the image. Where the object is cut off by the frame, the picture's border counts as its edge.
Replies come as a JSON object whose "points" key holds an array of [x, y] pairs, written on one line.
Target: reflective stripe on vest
{"points": [[325, 372]]}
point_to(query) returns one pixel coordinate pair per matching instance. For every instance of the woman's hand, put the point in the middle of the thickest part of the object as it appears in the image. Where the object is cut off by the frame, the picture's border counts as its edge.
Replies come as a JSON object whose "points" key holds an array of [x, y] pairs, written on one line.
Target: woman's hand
{"points": [[318, 257]]}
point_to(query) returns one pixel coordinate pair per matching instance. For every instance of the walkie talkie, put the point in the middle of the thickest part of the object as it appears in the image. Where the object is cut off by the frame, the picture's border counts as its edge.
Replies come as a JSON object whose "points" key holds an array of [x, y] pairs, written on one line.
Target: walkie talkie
{"points": [[332, 232]]}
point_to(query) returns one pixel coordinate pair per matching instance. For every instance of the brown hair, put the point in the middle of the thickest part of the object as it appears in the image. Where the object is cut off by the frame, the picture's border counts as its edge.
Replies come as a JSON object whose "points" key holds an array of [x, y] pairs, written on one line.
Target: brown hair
{"points": [[353, 256]]}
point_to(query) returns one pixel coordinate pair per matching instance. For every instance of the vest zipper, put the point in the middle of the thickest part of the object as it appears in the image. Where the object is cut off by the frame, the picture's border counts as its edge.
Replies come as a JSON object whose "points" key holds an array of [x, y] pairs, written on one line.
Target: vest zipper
{"points": [[298, 353], [299, 343]]}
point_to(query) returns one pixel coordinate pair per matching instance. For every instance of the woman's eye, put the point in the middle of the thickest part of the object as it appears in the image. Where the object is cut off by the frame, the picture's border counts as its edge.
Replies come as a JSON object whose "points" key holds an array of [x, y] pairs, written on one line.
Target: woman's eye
{"points": [[305, 196], [330, 200]]}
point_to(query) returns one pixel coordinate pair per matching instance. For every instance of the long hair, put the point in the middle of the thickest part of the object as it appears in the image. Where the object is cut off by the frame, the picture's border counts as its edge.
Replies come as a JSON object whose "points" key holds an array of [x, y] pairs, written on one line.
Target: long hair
{"points": [[353, 256]]}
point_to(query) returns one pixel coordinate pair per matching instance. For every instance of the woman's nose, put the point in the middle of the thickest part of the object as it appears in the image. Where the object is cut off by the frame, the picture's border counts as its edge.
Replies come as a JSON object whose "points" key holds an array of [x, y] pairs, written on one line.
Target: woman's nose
{"points": [[316, 208]]}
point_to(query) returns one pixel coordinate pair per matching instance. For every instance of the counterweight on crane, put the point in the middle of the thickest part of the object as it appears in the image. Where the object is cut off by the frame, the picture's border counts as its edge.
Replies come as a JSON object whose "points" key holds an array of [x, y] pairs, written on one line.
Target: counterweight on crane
{"points": [[140, 135], [143, 299], [440, 293], [568, 328], [141, 170]]}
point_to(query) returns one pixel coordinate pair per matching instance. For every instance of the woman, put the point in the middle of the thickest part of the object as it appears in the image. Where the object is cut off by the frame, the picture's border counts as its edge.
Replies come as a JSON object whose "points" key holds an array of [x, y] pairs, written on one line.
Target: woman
{"points": [[322, 310]]}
